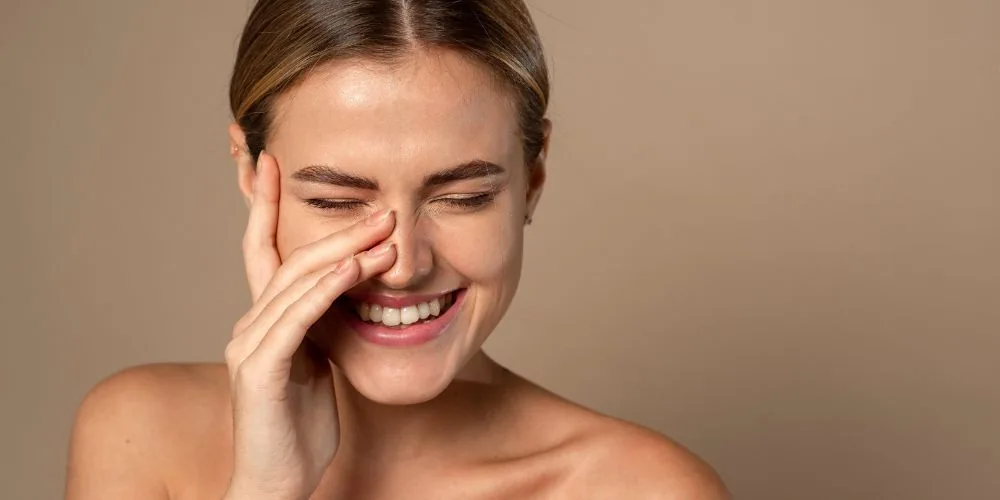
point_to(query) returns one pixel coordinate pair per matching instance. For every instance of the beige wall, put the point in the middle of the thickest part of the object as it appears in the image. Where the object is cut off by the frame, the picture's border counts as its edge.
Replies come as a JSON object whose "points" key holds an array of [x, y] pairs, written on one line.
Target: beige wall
{"points": [[783, 215]]}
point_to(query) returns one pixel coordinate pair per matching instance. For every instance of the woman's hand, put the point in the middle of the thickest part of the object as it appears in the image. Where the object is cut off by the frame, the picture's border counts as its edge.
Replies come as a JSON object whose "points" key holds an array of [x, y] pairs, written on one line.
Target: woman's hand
{"points": [[285, 424]]}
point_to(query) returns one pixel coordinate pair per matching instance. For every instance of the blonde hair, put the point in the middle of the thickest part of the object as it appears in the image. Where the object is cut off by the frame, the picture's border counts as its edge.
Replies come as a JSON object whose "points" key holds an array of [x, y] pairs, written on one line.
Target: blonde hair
{"points": [[283, 39]]}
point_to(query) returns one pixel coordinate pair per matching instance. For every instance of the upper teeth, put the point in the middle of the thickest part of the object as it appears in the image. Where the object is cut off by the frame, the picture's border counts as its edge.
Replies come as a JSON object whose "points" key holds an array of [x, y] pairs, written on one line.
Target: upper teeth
{"points": [[391, 316]]}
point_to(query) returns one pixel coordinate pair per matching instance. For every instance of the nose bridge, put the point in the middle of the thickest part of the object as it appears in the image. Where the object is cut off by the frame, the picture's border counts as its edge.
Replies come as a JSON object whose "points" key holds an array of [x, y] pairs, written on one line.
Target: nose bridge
{"points": [[414, 259]]}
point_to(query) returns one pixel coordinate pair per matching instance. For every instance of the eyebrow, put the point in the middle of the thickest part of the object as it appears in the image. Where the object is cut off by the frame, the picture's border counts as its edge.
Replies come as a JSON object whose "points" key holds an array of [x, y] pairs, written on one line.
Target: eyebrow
{"points": [[327, 174], [474, 169]]}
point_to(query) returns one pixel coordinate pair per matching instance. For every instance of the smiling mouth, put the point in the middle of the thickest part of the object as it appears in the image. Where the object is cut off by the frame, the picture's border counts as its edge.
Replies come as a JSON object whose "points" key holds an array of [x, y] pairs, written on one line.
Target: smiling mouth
{"points": [[402, 317]]}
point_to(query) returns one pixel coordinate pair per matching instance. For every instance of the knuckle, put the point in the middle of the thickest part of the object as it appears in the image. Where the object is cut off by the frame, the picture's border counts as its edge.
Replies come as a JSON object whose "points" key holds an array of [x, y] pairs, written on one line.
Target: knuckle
{"points": [[297, 254], [333, 279], [233, 354], [295, 317], [241, 325], [251, 373], [241, 373], [233, 369]]}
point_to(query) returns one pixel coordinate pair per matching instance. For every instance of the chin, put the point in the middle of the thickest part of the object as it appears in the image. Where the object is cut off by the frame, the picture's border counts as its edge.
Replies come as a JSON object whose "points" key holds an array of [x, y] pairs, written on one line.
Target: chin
{"points": [[397, 365], [388, 386], [402, 364]]}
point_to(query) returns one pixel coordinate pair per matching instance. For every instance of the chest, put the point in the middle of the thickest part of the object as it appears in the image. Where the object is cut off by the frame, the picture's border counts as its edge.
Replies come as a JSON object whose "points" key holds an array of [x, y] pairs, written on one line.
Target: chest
{"points": [[203, 472]]}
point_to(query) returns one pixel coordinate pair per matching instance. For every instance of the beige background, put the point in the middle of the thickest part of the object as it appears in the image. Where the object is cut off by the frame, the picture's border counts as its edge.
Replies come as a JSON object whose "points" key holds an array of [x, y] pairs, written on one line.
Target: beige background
{"points": [[771, 231]]}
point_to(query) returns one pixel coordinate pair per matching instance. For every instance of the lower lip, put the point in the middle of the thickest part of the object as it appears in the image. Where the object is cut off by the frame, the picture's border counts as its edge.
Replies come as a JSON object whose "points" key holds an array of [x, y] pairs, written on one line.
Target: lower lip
{"points": [[415, 334]]}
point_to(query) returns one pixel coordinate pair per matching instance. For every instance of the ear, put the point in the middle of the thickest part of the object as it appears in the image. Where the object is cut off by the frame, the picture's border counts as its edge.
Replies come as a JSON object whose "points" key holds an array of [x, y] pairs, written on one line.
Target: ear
{"points": [[536, 172], [246, 173]]}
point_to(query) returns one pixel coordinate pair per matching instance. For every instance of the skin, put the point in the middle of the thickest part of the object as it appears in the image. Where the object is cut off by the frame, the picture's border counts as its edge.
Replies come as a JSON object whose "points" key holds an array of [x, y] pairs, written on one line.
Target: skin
{"points": [[305, 409]]}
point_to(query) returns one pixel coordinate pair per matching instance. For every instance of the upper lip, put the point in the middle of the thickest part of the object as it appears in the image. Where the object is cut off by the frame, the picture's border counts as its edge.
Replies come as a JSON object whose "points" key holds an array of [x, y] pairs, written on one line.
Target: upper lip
{"points": [[397, 301]]}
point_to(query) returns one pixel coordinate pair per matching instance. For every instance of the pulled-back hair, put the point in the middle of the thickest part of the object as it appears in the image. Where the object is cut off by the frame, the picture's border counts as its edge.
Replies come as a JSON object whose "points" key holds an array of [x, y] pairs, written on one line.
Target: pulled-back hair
{"points": [[284, 39]]}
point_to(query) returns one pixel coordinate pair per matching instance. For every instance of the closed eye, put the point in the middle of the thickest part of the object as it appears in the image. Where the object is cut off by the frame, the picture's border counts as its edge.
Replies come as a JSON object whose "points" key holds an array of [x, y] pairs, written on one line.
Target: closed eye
{"points": [[334, 204], [467, 202], [477, 200]]}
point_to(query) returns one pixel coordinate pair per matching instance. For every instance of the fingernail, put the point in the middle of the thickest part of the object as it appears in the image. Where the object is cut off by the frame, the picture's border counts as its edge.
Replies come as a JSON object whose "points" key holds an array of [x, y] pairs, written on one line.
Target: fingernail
{"points": [[344, 264], [381, 249], [378, 217]]}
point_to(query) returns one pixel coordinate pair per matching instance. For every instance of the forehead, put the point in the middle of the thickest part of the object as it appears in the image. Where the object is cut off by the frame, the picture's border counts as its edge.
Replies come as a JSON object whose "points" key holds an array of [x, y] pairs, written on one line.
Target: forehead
{"points": [[432, 107]]}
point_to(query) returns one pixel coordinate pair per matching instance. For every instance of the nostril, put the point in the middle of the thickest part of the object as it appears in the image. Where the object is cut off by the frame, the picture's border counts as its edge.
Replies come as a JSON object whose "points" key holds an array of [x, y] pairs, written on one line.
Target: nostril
{"points": [[400, 275], [413, 261]]}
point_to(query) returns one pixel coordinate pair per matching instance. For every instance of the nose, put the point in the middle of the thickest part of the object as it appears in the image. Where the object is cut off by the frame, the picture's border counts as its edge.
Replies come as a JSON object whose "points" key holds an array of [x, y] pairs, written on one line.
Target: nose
{"points": [[414, 255]]}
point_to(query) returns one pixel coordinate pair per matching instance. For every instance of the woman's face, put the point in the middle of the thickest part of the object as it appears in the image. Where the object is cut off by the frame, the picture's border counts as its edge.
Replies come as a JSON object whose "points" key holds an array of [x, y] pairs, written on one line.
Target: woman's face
{"points": [[435, 140]]}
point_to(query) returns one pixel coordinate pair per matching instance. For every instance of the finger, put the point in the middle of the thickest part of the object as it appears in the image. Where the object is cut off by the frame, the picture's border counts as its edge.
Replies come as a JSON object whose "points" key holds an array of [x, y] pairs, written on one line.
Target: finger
{"points": [[376, 260], [327, 251], [276, 349], [260, 252], [371, 263]]}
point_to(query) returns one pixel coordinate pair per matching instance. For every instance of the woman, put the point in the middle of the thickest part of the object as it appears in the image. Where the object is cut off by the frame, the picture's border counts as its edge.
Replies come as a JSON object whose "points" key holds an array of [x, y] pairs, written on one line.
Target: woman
{"points": [[390, 153]]}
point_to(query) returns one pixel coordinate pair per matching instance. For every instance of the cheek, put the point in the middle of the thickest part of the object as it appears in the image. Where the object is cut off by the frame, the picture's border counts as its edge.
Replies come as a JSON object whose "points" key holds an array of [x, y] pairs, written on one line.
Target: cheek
{"points": [[483, 248], [297, 229]]}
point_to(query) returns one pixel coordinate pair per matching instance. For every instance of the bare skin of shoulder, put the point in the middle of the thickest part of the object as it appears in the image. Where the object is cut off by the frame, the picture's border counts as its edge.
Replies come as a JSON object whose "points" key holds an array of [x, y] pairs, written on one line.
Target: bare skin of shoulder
{"points": [[165, 432]]}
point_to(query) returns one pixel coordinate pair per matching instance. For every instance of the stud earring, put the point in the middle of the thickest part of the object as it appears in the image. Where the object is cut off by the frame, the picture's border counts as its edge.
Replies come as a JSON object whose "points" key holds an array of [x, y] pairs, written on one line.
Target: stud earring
{"points": [[527, 220]]}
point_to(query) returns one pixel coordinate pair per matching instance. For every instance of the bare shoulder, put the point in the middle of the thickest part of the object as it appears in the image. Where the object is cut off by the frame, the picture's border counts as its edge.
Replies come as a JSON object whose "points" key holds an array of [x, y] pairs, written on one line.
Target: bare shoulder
{"points": [[606, 457], [136, 425], [624, 460], [143, 398], [152, 405]]}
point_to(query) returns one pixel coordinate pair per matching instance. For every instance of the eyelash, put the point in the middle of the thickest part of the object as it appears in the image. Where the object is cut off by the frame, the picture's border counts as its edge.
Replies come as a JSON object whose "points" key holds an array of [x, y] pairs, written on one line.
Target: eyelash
{"points": [[326, 204], [469, 202], [475, 201]]}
